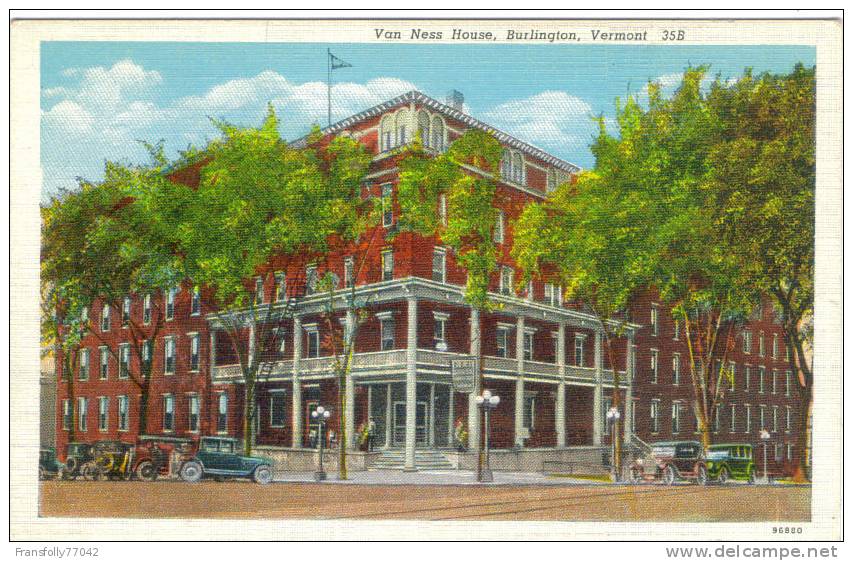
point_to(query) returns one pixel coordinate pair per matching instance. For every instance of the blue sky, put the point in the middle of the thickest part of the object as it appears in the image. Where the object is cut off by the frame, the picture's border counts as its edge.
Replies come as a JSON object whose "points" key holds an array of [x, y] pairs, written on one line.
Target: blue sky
{"points": [[98, 98]]}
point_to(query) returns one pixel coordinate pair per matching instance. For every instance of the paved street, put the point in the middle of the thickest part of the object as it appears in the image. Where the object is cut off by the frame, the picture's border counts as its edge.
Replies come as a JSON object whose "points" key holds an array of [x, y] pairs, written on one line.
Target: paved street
{"points": [[395, 498]]}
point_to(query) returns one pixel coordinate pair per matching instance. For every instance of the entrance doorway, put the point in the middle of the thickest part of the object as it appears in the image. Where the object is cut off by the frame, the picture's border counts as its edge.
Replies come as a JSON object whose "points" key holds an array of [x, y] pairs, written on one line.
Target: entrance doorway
{"points": [[421, 421]]}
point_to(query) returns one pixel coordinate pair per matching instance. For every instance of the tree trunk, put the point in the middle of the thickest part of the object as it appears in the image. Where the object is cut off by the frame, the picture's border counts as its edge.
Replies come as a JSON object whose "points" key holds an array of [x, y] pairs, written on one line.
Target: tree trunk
{"points": [[342, 431], [248, 417], [143, 409]]}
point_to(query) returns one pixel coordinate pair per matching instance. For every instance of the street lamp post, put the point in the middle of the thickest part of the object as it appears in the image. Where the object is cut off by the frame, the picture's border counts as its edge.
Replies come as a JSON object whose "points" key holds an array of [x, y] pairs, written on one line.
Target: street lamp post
{"points": [[613, 420], [487, 402], [322, 415], [765, 436]]}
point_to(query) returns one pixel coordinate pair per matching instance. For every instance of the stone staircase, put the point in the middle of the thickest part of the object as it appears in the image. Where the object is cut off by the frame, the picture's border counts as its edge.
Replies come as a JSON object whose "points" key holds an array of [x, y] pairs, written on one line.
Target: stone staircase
{"points": [[425, 459]]}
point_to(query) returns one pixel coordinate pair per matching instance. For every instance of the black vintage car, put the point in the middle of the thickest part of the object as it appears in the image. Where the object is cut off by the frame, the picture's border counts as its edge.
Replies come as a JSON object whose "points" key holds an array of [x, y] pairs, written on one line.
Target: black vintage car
{"points": [[77, 455], [672, 461], [49, 466]]}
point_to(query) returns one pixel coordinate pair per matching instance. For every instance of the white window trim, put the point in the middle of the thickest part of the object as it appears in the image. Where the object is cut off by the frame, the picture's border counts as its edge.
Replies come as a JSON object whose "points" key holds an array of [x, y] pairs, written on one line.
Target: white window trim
{"points": [[278, 392], [443, 252], [194, 336], [121, 353], [173, 340], [119, 399], [196, 291], [654, 415], [190, 396], [654, 366], [219, 396], [676, 372], [105, 413], [165, 397], [147, 310]]}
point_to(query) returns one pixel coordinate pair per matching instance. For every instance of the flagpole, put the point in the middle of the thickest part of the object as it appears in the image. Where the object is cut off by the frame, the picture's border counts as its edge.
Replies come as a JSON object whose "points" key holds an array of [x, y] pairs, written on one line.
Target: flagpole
{"points": [[329, 83]]}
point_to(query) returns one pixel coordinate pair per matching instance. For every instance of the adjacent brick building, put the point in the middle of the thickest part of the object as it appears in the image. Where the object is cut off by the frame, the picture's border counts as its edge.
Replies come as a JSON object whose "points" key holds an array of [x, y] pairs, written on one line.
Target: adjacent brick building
{"points": [[542, 356]]}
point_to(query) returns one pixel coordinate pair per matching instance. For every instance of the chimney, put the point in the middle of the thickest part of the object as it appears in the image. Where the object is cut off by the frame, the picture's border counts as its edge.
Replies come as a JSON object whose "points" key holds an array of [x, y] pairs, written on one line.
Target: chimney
{"points": [[456, 100]]}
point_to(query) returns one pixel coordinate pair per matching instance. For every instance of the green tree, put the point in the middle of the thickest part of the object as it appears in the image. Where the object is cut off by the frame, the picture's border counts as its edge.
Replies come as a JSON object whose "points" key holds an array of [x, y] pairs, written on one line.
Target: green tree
{"points": [[259, 199], [762, 193], [464, 178]]}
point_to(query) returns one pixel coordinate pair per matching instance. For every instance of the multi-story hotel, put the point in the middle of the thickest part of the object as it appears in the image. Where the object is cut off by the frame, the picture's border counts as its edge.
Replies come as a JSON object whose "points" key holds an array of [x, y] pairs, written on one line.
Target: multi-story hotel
{"points": [[543, 357]]}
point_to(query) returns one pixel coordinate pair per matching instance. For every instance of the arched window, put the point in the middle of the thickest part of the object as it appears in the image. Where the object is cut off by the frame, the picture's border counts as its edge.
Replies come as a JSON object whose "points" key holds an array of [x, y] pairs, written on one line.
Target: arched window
{"points": [[552, 180], [506, 165], [437, 133], [402, 127], [518, 168], [386, 133], [423, 127]]}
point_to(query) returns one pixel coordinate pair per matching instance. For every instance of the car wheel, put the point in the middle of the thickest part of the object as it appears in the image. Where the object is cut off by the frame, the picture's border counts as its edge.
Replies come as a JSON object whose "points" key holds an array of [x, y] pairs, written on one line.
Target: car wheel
{"points": [[72, 465], [191, 471], [90, 472], [669, 475], [723, 478], [702, 476], [146, 471], [262, 475]]}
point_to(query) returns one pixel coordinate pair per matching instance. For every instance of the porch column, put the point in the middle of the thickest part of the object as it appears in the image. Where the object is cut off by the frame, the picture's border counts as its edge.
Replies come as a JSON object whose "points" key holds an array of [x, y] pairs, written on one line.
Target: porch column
{"points": [[560, 412], [411, 380], [451, 420], [629, 386], [297, 384], [431, 420], [349, 408], [473, 410], [389, 419], [519, 381], [598, 394]]}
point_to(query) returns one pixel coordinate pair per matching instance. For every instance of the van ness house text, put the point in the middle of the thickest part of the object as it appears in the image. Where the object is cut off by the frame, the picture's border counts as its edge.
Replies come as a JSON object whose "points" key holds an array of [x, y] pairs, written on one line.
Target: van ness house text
{"points": [[520, 35]]}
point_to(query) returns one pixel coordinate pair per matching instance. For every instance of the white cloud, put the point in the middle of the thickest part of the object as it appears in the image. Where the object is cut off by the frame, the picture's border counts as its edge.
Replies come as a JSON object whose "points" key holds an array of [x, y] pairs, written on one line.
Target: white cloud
{"points": [[553, 119], [108, 109]]}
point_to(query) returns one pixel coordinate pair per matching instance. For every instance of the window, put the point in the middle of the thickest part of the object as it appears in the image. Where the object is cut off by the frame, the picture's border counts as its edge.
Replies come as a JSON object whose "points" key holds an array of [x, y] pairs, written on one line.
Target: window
{"points": [[84, 315], [580, 342], [718, 413], [386, 328], [169, 363], [259, 291], [733, 420], [778, 452], [676, 328], [105, 318], [529, 411], [733, 374], [103, 411], [280, 287], [442, 208], [195, 304], [439, 265], [222, 414], [761, 417], [277, 408], [787, 383], [437, 133], [528, 345], [552, 180], [653, 320], [608, 403], [386, 128], [787, 418], [168, 412], [193, 408], [66, 414], [747, 374], [553, 295], [310, 280], [676, 369], [84, 364], [123, 360], [423, 128], [748, 414], [747, 342], [528, 291], [518, 168], [387, 206], [775, 418], [653, 366], [502, 340], [349, 272], [146, 309], [147, 347], [402, 131], [790, 451], [387, 265], [506, 165], [82, 413], [761, 344], [676, 417], [498, 235], [170, 303], [439, 332], [774, 382], [313, 341], [194, 348], [123, 418], [125, 311], [654, 413], [761, 373], [104, 362], [775, 348], [506, 281]]}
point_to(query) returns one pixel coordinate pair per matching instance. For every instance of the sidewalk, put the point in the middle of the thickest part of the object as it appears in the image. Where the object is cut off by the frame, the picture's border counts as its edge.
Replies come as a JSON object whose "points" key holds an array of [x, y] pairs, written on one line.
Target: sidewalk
{"points": [[449, 477]]}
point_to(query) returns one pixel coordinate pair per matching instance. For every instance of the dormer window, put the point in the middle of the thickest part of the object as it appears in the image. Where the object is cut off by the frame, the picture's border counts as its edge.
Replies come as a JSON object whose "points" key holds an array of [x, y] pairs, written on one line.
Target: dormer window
{"points": [[512, 167], [402, 122], [499, 227], [437, 133], [552, 180]]}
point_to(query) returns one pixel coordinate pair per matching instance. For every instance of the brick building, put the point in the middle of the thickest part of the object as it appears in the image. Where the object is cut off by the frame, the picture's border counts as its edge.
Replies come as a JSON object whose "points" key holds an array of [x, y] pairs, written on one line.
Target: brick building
{"points": [[542, 356]]}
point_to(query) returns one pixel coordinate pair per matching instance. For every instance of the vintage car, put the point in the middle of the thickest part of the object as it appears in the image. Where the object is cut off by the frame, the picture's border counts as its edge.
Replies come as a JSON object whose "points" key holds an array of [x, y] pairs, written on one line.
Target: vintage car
{"points": [[156, 456], [77, 454], [730, 461], [670, 462], [217, 457], [111, 459], [49, 466]]}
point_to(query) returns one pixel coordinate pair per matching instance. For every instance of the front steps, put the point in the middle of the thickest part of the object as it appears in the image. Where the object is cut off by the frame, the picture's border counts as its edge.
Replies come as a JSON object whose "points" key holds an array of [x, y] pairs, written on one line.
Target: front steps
{"points": [[425, 459]]}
